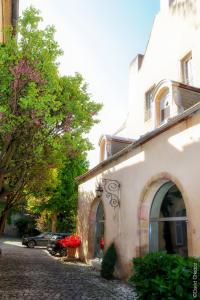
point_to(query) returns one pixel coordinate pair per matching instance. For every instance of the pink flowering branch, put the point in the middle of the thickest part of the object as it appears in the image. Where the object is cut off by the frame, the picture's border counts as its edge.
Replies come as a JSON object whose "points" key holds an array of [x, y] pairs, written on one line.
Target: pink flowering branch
{"points": [[23, 73]]}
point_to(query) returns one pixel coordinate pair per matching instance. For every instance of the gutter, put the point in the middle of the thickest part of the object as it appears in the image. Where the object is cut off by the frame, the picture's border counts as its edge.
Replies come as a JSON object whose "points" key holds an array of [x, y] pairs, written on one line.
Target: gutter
{"points": [[143, 139]]}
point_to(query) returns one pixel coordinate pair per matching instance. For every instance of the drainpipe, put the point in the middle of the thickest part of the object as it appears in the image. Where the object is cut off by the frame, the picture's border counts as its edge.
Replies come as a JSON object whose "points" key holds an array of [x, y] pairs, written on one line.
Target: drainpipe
{"points": [[15, 14]]}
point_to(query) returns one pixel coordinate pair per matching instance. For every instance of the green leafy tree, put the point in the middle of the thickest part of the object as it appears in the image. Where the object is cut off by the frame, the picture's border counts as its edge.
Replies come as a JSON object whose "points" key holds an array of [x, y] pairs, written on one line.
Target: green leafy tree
{"points": [[43, 116], [59, 199], [64, 200]]}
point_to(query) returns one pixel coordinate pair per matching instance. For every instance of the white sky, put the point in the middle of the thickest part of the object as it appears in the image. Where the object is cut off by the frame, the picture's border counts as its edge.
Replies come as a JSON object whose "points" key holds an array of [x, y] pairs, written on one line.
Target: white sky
{"points": [[99, 39]]}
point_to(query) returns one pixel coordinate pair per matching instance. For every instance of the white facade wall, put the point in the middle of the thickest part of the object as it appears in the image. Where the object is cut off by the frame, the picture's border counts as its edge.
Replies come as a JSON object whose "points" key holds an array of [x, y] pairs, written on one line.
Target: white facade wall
{"points": [[171, 155], [173, 36]]}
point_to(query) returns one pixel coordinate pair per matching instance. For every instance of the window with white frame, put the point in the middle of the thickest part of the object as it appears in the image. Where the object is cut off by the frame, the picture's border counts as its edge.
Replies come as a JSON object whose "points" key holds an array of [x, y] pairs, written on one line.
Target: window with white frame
{"points": [[186, 67], [148, 104]]}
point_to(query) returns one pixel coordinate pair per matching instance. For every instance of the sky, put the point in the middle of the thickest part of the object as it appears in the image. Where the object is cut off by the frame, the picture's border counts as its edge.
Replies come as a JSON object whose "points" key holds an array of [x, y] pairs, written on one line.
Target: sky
{"points": [[99, 39]]}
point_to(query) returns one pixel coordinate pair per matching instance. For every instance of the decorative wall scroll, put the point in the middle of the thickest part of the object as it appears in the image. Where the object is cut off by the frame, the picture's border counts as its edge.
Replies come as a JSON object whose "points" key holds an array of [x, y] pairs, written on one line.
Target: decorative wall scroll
{"points": [[112, 188]]}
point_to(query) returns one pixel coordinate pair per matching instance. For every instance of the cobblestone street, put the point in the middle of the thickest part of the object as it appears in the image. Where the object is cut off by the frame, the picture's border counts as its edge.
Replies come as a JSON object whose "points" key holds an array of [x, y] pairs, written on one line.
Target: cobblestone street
{"points": [[33, 274]]}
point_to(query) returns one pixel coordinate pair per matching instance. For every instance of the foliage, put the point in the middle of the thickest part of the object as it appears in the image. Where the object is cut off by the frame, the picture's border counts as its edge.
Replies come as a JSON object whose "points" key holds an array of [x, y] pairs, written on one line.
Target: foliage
{"points": [[43, 116], [63, 223], [66, 195], [43, 222], [26, 225], [158, 276], [108, 263], [61, 194]]}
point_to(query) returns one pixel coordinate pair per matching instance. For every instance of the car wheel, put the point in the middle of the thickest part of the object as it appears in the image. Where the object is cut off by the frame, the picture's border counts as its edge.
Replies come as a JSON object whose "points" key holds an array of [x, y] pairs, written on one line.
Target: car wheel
{"points": [[63, 252], [31, 244], [53, 253]]}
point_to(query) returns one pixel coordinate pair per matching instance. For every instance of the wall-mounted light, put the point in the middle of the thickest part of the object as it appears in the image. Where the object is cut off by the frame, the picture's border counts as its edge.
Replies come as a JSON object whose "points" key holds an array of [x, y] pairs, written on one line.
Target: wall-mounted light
{"points": [[99, 190]]}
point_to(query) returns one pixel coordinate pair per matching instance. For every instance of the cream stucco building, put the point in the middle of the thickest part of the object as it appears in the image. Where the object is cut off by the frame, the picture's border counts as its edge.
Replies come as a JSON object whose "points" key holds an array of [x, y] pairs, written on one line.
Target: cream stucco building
{"points": [[144, 195]]}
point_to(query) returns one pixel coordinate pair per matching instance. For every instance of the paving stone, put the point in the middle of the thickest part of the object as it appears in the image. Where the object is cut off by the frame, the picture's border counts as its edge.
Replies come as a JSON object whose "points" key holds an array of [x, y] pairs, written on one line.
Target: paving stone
{"points": [[34, 274]]}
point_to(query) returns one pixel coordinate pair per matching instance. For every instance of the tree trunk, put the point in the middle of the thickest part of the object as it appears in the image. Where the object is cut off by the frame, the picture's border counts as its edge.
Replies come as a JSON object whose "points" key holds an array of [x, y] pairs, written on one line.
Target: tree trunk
{"points": [[5, 159], [3, 218], [53, 222], [1, 180], [11, 202]]}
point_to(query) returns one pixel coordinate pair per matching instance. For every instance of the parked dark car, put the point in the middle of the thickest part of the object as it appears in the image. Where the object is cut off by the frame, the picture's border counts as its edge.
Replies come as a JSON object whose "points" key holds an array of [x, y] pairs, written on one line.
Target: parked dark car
{"points": [[54, 247], [41, 239]]}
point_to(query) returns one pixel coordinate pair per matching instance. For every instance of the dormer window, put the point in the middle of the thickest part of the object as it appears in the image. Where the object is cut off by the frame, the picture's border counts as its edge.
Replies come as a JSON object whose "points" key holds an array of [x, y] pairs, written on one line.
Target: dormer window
{"points": [[186, 68], [111, 144], [164, 107], [148, 104]]}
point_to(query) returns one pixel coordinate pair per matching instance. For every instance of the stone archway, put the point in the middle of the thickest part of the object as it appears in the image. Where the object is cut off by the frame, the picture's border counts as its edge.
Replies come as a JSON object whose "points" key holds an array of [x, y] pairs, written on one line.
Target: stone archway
{"points": [[96, 228], [167, 227], [146, 199]]}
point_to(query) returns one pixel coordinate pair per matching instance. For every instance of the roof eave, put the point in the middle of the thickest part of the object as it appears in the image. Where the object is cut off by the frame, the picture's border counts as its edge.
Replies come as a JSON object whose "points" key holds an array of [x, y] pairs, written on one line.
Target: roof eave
{"points": [[143, 139]]}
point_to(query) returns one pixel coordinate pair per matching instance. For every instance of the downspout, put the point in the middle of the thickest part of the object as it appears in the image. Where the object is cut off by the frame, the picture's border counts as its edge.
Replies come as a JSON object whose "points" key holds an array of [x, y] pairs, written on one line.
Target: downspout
{"points": [[15, 14]]}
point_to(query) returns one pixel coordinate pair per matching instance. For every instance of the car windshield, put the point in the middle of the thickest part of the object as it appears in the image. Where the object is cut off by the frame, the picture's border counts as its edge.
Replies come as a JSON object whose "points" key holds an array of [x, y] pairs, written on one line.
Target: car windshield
{"points": [[43, 234], [40, 235], [55, 237]]}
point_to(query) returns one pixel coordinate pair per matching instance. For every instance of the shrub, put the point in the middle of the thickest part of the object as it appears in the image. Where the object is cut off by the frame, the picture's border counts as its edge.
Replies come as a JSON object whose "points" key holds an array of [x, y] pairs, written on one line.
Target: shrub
{"points": [[108, 263], [160, 276], [26, 226]]}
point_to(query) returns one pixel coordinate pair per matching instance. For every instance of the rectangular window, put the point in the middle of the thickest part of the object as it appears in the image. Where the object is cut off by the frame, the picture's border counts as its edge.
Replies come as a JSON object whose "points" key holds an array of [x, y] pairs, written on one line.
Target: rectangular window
{"points": [[186, 67], [148, 104]]}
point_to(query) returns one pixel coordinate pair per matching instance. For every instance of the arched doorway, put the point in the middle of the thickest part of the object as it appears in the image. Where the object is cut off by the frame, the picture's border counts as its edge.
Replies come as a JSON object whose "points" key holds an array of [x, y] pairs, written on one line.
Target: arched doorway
{"points": [[168, 221], [99, 229]]}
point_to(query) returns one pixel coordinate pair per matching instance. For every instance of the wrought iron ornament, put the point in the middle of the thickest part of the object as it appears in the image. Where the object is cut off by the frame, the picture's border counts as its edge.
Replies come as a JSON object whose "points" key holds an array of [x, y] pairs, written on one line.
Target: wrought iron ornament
{"points": [[111, 188]]}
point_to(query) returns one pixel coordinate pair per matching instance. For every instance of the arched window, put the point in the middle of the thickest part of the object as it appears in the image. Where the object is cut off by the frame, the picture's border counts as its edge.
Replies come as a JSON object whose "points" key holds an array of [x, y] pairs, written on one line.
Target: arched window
{"points": [[168, 227], [164, 107], [99, 230], [163, 102]]}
